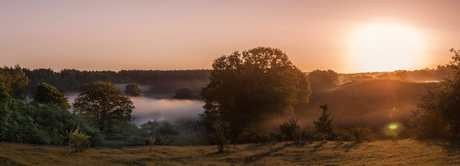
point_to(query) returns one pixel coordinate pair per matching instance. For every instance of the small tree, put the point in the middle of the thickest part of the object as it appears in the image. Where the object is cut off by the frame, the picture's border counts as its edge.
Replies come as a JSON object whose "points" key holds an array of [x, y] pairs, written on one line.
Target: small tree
{"points": [[324, 124], [221, 136], [183, 93], [291, 130], [47, 94], [132, 89], [101, 102], [78, 141]]}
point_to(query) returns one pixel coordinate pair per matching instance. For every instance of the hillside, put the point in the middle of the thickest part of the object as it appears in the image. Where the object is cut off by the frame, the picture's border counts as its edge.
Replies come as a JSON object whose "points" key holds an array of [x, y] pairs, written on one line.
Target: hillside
{"points": [[403, 152], [371, 103]]}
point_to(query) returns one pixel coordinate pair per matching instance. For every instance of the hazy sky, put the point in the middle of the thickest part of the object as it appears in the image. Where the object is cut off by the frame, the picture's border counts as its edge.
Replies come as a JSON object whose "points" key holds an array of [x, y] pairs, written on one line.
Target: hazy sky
{"points": [[190, 34]]}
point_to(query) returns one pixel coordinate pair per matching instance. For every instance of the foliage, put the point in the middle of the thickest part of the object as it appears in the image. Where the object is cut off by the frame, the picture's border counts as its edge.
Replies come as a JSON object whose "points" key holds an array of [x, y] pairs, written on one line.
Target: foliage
{"points": [[221, 136], [362, 134], [78, 141], [254, 134], [183, 93], [290, 130], [166, 128], [42, 124], [47, 94], [246, 87], [132, 89], [321, 79], [437, 112], [70, 80], [151, 143], [14, 80], [324, 123], [101, 103]]}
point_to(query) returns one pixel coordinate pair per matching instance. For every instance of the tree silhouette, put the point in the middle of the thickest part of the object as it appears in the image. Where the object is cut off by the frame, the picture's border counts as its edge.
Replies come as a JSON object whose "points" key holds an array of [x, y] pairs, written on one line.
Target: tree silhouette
{"points": [[246, 87]]}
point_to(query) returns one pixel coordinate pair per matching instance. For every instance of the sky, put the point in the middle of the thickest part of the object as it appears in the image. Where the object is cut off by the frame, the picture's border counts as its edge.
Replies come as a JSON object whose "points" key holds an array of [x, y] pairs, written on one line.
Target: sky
{"points": [[346, 36]]}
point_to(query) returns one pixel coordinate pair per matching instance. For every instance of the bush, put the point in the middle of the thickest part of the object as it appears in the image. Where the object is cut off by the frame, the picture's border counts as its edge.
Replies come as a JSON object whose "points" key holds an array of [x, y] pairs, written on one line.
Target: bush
{"points": [[78, 141], [254, 134], [290, 130], [362, 134], [167, 128], [221, 135]]}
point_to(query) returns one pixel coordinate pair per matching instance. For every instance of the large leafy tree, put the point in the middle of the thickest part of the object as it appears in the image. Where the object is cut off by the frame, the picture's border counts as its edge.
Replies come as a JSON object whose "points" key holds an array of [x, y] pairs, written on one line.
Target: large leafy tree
{"points": [[438, 111], [249, 86], [102, 103], [47, 94]]}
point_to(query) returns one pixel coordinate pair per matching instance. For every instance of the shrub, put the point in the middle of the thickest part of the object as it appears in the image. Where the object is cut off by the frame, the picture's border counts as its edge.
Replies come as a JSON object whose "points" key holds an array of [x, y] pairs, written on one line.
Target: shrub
{"points": [[167, 128], [78, 141], [254, 134], [221, 135], [291, 130], [362, 134], [151, 143], [342, 135]]}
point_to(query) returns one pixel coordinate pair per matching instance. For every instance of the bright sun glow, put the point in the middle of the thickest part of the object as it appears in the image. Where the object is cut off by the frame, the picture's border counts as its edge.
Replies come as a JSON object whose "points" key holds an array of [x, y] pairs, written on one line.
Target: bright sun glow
{"points": [[385, 47]]}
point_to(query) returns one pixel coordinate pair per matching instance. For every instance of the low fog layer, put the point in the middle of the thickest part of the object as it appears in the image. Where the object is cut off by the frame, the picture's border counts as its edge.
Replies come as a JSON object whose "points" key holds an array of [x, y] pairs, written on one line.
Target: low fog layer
{"points": [[159, 109]]}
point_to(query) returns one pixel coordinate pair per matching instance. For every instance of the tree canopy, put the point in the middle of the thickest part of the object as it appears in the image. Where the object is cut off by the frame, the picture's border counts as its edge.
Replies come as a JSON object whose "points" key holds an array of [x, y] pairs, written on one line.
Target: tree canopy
{"points": [[183, 93], [322, 79], [132, 89], [437, 113], [14, 81], [101, 103], [248, 86], [47, 94]]}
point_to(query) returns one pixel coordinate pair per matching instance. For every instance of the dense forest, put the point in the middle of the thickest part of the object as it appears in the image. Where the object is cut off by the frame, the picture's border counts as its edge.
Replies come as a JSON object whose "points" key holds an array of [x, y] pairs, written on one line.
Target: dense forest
{"points": [[166, 81]]}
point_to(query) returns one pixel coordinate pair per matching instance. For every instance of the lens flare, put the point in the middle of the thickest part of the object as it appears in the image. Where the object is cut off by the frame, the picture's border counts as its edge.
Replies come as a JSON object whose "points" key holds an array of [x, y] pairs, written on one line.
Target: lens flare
{"points": [[392, 129]]}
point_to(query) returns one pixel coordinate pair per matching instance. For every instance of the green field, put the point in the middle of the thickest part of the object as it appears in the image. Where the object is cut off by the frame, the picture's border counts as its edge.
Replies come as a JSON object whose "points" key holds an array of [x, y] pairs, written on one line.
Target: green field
{"points": [[403, 152]]}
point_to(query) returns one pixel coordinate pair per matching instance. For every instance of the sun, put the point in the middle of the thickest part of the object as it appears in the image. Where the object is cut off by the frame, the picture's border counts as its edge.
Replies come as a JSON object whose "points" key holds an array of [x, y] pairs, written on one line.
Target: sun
{"points": [[386, 47]]}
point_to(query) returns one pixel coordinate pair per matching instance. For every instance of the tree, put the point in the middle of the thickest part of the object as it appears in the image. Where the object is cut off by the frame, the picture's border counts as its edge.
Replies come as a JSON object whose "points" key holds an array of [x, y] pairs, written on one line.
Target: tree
{"points": [[384, 76], [14, 81], [101, 103], [183, 93], [246, 87], [47, 94], [321, 79], [221, 136], [401, 75], [437, 113], [132, 89], [324, 123]]}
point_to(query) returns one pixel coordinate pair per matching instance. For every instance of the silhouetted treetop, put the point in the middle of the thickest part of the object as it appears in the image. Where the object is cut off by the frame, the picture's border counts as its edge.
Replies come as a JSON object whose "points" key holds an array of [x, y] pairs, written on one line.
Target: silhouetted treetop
{"points": [[258, 82]]}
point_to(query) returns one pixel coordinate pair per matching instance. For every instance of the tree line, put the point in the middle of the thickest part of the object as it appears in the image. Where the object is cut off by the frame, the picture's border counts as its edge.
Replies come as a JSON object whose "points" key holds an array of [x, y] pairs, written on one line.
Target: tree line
{"points": [[70, 80]]}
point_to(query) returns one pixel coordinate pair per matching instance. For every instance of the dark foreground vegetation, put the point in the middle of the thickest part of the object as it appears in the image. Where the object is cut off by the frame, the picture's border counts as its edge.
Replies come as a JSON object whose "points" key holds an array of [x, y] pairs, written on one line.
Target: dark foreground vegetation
{"points": [[247, 92]]}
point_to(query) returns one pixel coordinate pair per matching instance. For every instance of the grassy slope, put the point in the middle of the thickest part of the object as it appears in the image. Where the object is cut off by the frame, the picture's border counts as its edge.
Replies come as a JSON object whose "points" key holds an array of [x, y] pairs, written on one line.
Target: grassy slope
{"points": [[403, 152], [364, 103]]}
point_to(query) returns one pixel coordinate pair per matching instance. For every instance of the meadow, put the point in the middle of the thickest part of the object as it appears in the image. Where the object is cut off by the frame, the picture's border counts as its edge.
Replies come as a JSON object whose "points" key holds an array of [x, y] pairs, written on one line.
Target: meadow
{"points": [[383, 152]]}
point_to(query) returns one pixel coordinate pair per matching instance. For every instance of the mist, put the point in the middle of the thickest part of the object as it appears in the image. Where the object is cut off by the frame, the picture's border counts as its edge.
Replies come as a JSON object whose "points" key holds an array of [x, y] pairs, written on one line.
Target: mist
{"points": [[159, 109]]}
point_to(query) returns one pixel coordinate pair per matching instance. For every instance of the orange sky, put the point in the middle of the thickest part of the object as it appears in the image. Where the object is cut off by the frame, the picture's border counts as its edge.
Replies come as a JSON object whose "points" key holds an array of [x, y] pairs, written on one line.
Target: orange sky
{"points": [[160, 35]]}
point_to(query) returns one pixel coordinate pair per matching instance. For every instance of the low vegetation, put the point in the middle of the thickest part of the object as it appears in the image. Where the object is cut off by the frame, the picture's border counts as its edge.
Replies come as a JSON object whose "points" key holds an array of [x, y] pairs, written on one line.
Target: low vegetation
{"points": [[403, 152]]}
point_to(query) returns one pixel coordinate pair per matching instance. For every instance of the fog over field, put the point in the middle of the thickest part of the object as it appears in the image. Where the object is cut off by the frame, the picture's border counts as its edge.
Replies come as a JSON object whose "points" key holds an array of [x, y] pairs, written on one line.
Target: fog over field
{"points": [[159, 109]]}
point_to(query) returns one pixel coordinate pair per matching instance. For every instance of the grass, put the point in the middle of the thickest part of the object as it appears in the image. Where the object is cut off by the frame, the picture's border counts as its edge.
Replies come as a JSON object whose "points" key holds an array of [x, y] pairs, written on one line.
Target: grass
{"points": [[403, 152]]}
